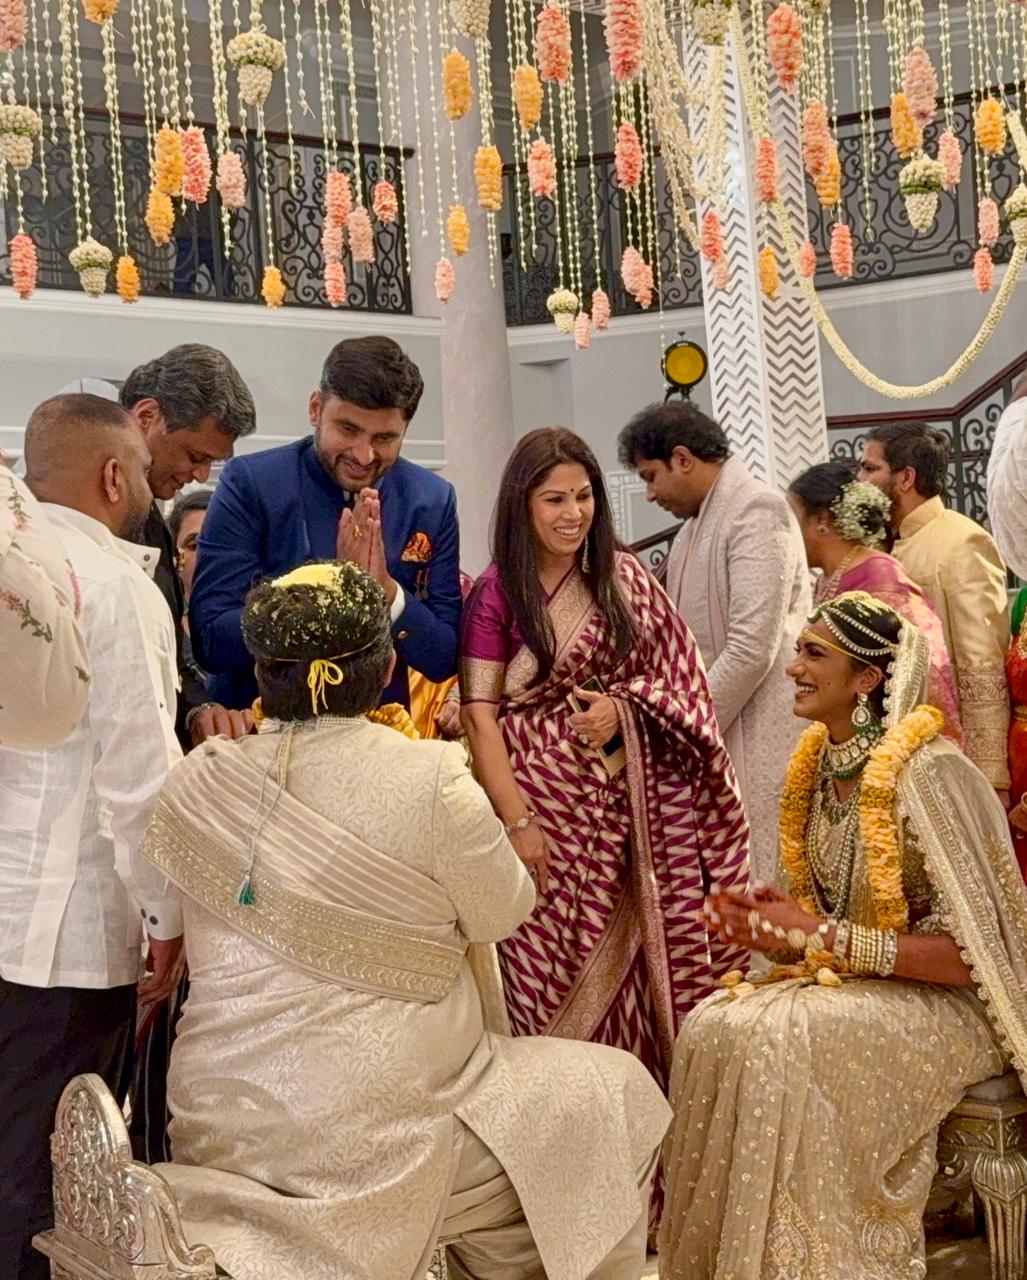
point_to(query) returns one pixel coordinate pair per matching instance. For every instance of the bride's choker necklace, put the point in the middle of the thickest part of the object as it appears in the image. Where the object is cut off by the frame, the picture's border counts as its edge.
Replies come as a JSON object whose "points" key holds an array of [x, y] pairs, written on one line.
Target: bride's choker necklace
{"points": [[844, 761]]}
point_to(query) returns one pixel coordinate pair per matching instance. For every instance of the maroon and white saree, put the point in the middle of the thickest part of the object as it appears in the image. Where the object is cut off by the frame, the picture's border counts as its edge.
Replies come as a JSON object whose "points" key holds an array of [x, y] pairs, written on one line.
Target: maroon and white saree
{"points": [[616, 951]]}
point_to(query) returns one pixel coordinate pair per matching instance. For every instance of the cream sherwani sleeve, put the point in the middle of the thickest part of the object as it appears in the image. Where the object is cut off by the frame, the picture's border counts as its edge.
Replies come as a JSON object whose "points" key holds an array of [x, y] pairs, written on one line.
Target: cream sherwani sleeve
{"points": [[472, 858], [762, 556], [976, 610]]}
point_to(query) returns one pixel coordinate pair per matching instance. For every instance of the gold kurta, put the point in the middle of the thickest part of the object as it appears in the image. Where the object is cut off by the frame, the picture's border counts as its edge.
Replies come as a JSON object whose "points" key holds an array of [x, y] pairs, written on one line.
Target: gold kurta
{"points": [[957, 564], [321, 1076], [806, 1117]]}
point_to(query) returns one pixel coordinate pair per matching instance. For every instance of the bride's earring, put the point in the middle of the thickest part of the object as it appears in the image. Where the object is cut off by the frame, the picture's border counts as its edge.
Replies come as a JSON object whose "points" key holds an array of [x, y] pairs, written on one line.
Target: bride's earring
{"points": [[584, 557], [862, 715]]}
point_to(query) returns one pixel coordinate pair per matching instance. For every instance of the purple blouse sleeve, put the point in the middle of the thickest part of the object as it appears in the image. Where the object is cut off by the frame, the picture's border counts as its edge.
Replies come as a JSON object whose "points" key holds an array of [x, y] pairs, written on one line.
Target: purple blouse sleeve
{"points": [[487, 641]]}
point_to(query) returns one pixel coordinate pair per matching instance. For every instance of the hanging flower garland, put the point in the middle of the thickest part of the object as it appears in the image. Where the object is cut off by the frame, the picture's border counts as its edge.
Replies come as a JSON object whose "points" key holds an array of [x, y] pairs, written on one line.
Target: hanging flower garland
{"points": [[984, 270], [24, 264], [767, 181], [638, 277], [600, 310], [92, 261], [907, 136], [721, 275], [807, 259], [160, 216], [950, 153], [99, 11], [333, 239], [488, 177], [14, 24], [445, 280], [196, 159], [784, 46], [541, 170], [710, 18], [335, 283], [711, 237], [816, 138], [582, 331], [920, 182], [361, 235], [987, 222], [990, 127], [828, 182], [19, 127], [841, 251], [1015, 210], [272, 288], [770, 276], [471, 18], [920, 85], [338, 198], [628, 158], [457, 92], [527, 96], [458, 229], [256, 56], [553, 44], [168, 162], [562, 305], [126, 279], [231, 180], [624, 39], [385, 202]]}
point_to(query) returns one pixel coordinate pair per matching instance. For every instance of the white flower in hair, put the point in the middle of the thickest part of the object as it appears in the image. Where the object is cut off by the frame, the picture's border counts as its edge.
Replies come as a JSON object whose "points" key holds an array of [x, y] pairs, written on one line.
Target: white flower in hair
{"points": [[860, 513]]}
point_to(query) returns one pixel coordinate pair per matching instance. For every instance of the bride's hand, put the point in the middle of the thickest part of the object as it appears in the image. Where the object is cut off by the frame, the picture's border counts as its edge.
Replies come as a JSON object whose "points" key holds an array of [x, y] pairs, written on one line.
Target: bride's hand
{"points": [[729, 914], [531, 848]]}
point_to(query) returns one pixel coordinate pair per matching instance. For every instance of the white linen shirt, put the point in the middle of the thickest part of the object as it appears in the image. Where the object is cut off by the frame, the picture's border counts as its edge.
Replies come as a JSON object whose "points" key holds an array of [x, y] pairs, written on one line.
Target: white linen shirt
{"points": [[73, 893], [1007, 486]]}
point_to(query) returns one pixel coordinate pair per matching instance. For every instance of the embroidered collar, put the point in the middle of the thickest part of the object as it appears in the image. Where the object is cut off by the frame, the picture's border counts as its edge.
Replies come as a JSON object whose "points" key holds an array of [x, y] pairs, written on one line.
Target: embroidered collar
{"points": [[921, 517]]}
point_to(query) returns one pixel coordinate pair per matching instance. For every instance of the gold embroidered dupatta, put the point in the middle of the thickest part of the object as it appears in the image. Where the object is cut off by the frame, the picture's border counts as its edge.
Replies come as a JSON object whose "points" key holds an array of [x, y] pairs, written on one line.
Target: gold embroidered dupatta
{"points": [[324, 900]]}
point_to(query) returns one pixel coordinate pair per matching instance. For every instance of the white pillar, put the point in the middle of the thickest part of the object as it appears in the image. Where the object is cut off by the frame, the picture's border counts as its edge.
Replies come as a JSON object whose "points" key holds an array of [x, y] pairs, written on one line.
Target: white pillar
{"points": [[477, 405], [764, 355]]}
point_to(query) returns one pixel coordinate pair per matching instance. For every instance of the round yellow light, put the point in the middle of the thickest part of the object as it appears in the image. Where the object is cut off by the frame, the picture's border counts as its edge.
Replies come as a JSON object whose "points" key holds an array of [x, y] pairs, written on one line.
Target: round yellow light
{"points": [[684, 364]]}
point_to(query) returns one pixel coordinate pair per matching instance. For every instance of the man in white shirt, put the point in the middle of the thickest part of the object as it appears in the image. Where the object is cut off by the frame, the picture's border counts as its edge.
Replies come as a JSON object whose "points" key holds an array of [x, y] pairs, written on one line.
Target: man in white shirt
{"points": [[1007, 481], [72, 894]]}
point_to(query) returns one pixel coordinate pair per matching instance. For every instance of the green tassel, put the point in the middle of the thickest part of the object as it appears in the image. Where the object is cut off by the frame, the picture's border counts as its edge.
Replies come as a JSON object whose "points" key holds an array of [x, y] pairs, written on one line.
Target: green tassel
{"points": [[245, 895]]}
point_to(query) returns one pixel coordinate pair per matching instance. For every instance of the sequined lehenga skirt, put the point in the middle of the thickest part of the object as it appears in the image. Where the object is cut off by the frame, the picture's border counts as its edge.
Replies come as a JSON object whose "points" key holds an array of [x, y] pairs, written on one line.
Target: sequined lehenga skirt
{"points": [[806, 1117]]}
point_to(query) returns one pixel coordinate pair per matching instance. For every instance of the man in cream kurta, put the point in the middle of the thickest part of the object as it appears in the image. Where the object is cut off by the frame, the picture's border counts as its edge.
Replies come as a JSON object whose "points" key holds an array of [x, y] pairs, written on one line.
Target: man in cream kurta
{"points": [[958, 566], [737, 573]]}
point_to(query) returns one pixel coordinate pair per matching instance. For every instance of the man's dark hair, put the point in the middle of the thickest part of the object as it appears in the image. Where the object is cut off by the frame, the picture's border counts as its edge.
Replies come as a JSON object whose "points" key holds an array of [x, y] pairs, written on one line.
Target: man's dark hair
{"points": [[916, 445], [192, 382], [373, 373], [198, 500], [659, 429]]}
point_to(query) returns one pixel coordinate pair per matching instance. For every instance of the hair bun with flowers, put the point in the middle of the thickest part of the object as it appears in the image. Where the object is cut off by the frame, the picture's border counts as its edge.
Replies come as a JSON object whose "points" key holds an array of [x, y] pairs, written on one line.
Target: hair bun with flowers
{"points": [[860, 513]]}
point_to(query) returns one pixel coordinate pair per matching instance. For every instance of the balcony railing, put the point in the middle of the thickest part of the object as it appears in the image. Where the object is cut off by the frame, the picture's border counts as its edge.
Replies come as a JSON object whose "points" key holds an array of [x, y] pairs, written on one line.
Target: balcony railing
{"points": [[194, 263]]}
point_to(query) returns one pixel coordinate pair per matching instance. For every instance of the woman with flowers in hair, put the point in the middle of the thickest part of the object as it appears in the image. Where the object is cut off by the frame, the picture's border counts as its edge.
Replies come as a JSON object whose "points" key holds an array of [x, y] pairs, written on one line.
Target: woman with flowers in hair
{"points": [[843, 523], [807, 1099]]}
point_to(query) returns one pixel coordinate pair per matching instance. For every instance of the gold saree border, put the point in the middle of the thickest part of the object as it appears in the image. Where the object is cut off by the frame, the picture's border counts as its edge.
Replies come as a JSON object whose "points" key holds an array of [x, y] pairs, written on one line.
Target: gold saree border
{"points": [[599, 980], [379, 957]]}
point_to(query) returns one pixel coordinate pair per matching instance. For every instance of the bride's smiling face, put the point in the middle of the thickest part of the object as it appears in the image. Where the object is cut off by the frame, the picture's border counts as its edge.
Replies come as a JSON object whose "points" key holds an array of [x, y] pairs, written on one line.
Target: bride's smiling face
{"points": [[827, 684]]}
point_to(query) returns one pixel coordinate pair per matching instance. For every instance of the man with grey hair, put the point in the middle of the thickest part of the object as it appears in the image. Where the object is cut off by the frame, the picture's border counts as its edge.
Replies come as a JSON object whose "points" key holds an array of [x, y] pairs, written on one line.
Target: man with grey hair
{"points": [[191, 405]]}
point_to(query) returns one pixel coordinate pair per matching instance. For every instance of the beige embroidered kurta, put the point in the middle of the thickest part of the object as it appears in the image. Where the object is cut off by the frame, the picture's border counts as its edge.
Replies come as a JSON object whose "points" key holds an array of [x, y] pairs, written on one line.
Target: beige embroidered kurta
{"points": [[333, 1044], [957, 564], [738, 576]]}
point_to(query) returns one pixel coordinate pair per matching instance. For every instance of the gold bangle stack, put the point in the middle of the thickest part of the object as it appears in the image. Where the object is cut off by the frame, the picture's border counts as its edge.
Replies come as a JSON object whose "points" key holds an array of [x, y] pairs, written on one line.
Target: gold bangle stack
{"points": [[872, 951]]}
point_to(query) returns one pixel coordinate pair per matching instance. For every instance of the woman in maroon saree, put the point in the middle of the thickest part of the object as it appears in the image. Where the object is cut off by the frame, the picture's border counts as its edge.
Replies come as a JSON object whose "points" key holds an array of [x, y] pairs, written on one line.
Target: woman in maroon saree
{"points": [[621, 842]]}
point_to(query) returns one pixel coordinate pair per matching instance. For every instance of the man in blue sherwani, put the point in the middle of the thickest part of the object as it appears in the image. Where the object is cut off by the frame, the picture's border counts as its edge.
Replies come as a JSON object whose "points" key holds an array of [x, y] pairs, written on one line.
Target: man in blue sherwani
{"points": [[343, 493]]}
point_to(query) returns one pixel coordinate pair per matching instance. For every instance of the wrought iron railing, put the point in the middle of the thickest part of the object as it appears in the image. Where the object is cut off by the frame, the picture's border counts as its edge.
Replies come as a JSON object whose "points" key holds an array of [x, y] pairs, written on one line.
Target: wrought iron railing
{"points": [[194, 263], [970, 426], [654, 550]]}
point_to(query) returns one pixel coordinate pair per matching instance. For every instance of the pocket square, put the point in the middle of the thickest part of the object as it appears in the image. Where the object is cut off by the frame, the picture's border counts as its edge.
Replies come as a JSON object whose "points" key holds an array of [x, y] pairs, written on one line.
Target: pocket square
{"points": [[418, 550]]}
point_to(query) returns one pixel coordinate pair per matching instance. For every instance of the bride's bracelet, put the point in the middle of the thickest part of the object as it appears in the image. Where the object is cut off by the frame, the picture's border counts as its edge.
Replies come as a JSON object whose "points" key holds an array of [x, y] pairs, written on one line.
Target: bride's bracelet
{"points": [[872, 951]]}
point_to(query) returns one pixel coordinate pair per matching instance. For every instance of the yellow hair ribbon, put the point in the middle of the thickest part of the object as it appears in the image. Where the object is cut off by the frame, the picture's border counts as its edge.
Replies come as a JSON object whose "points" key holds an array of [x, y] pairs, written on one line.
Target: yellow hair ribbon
{"points": [[323, 672]]}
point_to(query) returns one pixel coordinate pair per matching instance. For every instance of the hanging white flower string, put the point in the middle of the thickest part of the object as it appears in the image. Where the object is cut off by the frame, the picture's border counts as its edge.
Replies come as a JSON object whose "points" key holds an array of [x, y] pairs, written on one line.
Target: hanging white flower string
{"points": [[410, 30], [297, 49]]}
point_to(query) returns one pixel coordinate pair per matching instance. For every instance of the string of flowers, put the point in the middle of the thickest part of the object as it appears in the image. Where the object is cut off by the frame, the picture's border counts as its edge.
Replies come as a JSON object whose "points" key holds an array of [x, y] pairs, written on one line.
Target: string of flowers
{"points": [[127, 281], [866, 116], [553, 43], [290, 141], [384, 200], [358, 233], [600, 302], [842, 251], [784, 45], [229, 178], [272, 286], [445, 275], [622, 25]]}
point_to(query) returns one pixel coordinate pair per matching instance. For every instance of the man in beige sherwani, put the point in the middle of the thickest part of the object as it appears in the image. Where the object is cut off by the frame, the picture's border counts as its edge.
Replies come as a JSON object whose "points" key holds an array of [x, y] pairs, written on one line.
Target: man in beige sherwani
{"points": [[957, 564], [737, 573], [342, 1098]]}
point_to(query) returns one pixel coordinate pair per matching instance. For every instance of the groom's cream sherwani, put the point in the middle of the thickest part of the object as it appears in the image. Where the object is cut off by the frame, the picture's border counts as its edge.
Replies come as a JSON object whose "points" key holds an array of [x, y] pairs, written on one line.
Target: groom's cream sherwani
{"points": [[737, 573]]}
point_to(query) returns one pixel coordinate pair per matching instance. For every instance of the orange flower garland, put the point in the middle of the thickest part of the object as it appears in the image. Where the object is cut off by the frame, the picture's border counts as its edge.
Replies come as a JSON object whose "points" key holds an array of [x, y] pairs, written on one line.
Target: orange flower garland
{"points": [[335, 284], [770, 276], [987, 222], [457, 93], [920, 84], [168, 162], [458, 229], [445, 280], [361, 235], [906, 134], [990, 127], [638, 278], [99, 11], [950, 153], [766, 170], [600, 310], [808, 259], [784, 45], [829, 182], [126, 279], [333, 239], [582, 331], [196, 158], [711, 237], [338, 198], [24, 264], [385, 202], [628, 157], [541, 170], [553, 44], [816, 138], [527, 96], [841, 251], [231, 180], [624, 38], [488, 176], [14, 24], [272, 287], [160, 216], [984, 270], [721, 275]]}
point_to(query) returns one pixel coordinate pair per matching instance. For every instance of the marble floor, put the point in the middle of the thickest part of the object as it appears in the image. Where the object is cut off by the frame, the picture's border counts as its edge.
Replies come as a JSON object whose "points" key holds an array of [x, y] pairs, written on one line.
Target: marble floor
{"points": [[962, 1260]]}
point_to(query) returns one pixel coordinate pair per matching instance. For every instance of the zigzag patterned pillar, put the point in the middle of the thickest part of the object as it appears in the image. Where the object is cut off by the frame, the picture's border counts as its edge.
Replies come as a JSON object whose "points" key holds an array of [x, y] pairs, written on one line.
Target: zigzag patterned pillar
{"points": [[764, 356]]}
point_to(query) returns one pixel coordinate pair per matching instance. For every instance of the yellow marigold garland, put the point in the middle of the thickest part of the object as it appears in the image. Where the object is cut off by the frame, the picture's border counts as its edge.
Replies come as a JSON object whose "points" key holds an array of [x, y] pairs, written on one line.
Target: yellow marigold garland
{"points": [[456, 84], [527, 96], [168, 162], [272, 287], [990, 127], [160, 216], [829, 181], [488, 174], [458, 229], [770, 276], [394, 716], [878, 826], [906, 134], [127, 279]]}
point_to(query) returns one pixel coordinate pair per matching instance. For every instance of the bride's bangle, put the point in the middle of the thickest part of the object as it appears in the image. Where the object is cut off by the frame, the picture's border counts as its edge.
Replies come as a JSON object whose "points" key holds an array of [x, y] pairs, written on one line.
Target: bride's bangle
{"points": [[521, 824]]}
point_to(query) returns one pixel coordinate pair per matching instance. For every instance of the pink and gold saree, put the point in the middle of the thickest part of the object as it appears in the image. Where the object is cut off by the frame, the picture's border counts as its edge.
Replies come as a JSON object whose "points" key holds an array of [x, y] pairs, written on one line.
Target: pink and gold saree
{"points": [[617, 951]]}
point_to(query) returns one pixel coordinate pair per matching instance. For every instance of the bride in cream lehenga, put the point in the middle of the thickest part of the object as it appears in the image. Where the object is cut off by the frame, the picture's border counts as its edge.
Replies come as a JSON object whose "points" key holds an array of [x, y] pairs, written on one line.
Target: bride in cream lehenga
{"points": [[808, 1100]]}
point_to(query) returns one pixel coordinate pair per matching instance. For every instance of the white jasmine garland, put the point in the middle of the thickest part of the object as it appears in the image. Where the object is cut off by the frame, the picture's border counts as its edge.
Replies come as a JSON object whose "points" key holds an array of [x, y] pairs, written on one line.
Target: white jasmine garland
{"points": [[850, 511]]}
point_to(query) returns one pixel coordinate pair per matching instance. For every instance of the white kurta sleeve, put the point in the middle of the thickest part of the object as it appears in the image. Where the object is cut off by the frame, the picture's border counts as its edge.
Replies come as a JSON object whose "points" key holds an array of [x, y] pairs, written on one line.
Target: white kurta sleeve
{"points": [[44, 684], [1007, 486], [472, 858], [762, 561]]}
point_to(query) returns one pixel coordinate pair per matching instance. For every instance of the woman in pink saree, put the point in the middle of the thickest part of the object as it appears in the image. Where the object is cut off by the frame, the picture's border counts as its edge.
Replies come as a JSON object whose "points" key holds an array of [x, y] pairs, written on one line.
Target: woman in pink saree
{"points": [[843, 522], [592, 730]]}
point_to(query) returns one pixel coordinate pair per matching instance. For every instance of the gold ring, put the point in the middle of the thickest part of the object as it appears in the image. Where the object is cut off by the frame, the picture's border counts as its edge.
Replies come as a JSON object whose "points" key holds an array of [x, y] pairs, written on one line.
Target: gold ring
{"points": [[357, 531]]}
